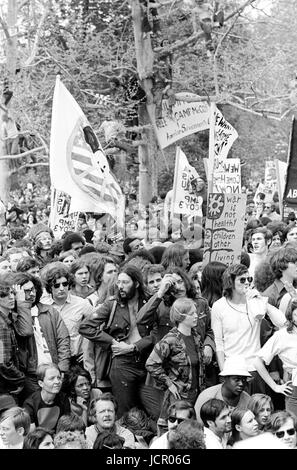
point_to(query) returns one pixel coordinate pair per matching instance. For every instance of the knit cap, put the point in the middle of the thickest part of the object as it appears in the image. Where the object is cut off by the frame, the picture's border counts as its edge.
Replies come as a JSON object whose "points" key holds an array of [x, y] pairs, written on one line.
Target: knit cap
{"points": [[36, 229]]}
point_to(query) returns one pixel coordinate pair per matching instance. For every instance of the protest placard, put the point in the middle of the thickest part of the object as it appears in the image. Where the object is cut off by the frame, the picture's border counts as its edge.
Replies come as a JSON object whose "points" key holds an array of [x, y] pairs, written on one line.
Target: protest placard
{"points": [[180, 120], [270, 179], [227, 176], [61, 220], [224, 228], [225, 135], [185, 198]]}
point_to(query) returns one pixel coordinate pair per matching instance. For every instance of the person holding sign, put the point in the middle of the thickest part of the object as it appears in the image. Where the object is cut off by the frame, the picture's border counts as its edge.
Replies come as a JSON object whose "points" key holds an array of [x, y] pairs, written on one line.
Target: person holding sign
{"points": [[236, 321]]}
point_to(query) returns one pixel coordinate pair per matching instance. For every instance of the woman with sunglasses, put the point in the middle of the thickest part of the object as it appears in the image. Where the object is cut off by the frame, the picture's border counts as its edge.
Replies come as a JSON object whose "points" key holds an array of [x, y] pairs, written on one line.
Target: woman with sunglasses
{"points": [[283, 425], [236, 321], [176, 362], [283, 343]]}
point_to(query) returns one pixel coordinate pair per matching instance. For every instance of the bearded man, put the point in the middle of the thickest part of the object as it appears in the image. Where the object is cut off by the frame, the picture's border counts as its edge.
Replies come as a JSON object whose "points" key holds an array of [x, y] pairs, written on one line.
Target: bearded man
{"points": [[130, 344]]}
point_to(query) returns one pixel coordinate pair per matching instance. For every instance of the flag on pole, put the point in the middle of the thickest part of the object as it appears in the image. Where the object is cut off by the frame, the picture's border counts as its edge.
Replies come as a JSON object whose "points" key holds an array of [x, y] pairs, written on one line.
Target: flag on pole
{"points": [[78, 165], [185, 199]]}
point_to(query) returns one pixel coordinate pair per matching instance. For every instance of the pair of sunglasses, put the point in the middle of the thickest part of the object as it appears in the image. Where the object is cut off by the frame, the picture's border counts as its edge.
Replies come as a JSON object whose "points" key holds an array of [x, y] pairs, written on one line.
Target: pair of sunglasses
{"points": [[58, 284], [290, 432], [243, 280], [174, 419], [6, 293]]}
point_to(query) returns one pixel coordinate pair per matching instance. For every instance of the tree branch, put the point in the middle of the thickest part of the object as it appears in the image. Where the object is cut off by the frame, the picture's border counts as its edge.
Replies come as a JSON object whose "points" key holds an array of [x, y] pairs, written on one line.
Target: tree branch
{"points": [[5, 28], [194, 37], [21, 155], [37, 35], [29, 165]]}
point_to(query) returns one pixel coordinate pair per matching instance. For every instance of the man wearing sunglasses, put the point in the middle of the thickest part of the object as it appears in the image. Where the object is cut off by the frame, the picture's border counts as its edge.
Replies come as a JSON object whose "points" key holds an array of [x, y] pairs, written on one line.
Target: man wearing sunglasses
{"points": [[236, 321], [49, 340], [177, 413], [13, 320], [73, 309]]}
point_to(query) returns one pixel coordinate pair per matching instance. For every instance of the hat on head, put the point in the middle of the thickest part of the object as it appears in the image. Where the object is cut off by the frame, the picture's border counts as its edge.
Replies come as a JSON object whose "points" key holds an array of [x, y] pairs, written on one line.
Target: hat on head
{"points": [[37, 229], [127, 242], [6, 402], [235, 365]]}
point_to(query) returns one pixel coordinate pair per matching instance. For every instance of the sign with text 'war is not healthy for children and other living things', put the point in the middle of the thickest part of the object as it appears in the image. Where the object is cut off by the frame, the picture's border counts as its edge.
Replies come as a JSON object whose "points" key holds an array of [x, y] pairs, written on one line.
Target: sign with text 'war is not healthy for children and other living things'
{"points": [[224, 228], [180, 120]]}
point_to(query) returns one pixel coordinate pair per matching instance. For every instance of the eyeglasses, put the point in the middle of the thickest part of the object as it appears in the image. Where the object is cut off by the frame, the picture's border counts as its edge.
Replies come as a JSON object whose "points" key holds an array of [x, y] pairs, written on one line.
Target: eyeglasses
{"points": [[58, 284], [243, 280], [174, 419], [6, 293], [290, 432]]}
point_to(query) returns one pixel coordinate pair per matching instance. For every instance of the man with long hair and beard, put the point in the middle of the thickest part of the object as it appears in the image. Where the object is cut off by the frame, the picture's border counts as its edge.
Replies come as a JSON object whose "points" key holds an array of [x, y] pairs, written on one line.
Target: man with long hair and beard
{"points": [[129, 343]]}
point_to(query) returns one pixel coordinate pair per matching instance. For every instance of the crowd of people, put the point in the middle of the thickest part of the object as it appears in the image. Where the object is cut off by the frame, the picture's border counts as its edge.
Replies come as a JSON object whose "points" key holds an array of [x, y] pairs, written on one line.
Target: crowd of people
{"points": [[128, 340]]}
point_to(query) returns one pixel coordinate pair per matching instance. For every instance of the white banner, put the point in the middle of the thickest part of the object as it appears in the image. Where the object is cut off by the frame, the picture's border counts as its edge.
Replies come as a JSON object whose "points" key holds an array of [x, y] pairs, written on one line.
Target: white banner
{"points": [[78, 165], [185, 199], [180, 120], [225, 135], [227, 176]]}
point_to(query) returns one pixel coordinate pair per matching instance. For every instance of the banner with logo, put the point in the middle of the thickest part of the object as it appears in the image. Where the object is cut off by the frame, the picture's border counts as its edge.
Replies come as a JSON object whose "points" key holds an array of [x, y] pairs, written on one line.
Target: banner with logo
{"points": [[290, 191], [224, 228]]}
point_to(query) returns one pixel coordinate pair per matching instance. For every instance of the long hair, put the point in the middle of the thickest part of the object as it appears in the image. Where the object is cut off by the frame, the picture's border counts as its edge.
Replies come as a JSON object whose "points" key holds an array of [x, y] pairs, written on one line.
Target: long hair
{"points": [[211, 281], [136, 276], [191, 292], [289, 315], [236, 418], [173, 256], [22, 278], [256, 403], [229, 276], [35, 438]]}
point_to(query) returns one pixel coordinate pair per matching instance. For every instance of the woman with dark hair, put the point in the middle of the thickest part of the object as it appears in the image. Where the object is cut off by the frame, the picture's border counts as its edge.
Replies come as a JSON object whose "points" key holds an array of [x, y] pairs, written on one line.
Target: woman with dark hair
{"points": [[49, 341], [108, 440], [40, 438], [5, 237], [176, 362], [283, 343], [243, 424], [142, 427], [176, 255], [81, 277], [211, 281], [236, 321], [78, 386]]}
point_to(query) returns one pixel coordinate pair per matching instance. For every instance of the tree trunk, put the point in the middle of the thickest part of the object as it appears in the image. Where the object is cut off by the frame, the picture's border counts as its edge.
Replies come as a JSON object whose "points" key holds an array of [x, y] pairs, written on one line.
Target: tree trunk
{"points": [[11, 60], [145, 59]]}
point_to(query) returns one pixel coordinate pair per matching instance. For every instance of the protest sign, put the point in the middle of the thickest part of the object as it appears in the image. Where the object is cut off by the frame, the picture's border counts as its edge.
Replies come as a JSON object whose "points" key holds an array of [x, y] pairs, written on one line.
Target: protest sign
{"points": [[185, 198], [224, 228], [270, 180], [61, 220], [227, 176], [180, 120], [225, 135], [281, 172]]}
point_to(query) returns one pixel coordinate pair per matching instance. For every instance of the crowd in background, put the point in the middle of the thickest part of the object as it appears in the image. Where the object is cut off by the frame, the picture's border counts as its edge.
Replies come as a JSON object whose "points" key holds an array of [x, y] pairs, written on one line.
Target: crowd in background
{"points": [[123, 338]]}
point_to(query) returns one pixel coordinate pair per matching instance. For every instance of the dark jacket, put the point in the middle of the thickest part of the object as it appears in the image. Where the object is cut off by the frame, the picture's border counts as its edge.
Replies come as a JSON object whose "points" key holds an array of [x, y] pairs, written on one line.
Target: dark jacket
{"points": [[156, 311], [16, 324], [119, 328], [56, 336]]}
